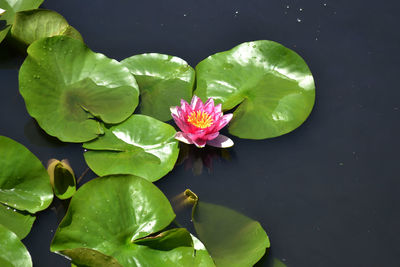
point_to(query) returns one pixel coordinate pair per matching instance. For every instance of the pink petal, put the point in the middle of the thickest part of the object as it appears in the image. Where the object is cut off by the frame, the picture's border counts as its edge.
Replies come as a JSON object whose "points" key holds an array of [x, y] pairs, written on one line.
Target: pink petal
{"points": [[181, 124], [221, 141], [224, 121], [174, 110], [185, 107], [183, 138], [196, 103], [209, 106], [211, 136], [218, 109], [200, 142]]}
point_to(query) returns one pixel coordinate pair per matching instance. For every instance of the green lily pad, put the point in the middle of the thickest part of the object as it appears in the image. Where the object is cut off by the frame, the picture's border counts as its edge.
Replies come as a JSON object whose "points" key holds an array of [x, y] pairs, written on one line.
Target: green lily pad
{"points": [[203, 258], [85, 257], [231, 238], [32, 25], [271, 86], [62, 178], [163, 81], [115, 215], [141, 146], [13, 6], [68, 88], [12, 252], [24, 182], [16, 221]]}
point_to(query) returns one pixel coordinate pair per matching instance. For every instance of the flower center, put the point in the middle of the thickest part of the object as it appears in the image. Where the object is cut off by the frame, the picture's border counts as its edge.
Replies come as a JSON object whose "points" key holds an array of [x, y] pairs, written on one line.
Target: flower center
{"points": [[200, 119]]}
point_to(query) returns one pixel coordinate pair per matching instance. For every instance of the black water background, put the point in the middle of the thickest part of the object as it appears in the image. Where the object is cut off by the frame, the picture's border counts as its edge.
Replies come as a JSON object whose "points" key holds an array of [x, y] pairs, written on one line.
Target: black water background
{"points": [[327, 193]]}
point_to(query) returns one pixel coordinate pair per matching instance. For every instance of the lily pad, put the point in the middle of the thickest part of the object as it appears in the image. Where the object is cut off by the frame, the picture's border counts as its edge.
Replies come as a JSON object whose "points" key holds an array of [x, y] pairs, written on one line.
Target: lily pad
{"points": [[24, 182], [141, 146], [271, 86], [231, 238], [68, 88], [62, 178], [32, 25], [12, 252], [115, 215], [13, 6], [163, 81], [16, 221]]}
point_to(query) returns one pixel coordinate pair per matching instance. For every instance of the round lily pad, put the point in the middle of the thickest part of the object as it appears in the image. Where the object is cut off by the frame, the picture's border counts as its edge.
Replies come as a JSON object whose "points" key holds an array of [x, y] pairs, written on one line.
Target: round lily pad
{"points": [[270, 85], [12, 252], [32, 25], [68, 89], [115, 215], [163, 81], [141, 146], [24, 182]]}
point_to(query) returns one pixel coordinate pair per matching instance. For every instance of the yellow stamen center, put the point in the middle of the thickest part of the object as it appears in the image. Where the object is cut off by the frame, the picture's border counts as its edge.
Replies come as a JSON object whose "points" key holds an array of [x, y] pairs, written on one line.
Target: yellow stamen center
{"points": [[200, 119]]}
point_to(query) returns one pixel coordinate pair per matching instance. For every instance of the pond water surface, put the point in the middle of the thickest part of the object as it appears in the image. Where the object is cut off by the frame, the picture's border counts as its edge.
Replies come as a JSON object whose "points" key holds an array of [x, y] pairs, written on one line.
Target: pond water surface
{"points": [[327, 193]]}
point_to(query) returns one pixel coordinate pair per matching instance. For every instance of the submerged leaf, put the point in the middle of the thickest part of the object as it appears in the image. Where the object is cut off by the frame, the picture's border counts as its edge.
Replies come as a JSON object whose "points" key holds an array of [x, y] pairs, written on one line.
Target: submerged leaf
{"points": [[232, 239], [16, 221], [271, 86], [62, 178], [12, 252], [163, 80], [24, 182], [141, 146], [32, 25], [68, 88]]}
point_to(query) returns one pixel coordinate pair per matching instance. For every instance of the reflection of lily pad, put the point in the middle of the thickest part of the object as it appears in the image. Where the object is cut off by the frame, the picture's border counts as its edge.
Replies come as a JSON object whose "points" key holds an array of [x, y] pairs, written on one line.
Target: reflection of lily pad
{"points": [[163, 80], [12, 252], [13, 6], [24, 182], [271, 85], [114, 214], [67, 88], [16, 221], [32, 25], [231, 238], [141, 146]]}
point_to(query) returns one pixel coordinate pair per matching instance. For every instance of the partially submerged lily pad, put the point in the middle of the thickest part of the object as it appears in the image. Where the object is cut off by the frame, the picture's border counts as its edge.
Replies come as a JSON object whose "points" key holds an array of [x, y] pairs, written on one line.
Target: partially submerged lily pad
{"points": [[18, 222], [115, 215], [32, 25], [271, 86], [68, 89], [12, 252], [141, 146], [24, 182], [62, 178], [232, 239], [163, 81]]}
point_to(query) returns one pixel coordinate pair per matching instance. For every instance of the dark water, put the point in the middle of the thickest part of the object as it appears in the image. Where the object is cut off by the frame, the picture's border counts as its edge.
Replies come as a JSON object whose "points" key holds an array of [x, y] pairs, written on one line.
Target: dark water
{"points": [[327, 193]]}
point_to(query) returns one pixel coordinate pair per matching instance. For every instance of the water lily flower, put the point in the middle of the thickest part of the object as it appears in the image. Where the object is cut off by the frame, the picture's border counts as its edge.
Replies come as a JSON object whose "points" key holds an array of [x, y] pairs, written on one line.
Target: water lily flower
{"points": [[200, 123]]}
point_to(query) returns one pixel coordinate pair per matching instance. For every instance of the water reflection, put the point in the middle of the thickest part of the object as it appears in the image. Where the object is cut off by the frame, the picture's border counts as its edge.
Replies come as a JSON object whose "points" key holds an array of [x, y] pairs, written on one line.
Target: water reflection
{"points": [[198, 159], [38, 137]]}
